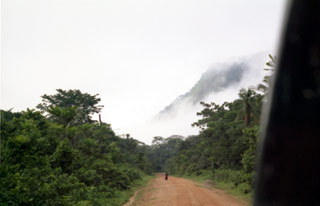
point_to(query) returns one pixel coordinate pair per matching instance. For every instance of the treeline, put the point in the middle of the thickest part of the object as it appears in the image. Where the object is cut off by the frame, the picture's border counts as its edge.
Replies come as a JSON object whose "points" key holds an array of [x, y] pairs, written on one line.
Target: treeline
{"points": [[60, 156], [226, 145]]}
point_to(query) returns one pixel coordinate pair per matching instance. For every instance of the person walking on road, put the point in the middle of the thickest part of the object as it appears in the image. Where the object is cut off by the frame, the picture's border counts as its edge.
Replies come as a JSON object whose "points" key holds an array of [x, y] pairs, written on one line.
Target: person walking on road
{"points": [[166, 178]]}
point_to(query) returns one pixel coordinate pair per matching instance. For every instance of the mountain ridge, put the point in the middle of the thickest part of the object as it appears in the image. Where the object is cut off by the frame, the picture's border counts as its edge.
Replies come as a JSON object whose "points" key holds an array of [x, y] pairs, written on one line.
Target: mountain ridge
{"points": [[213, 80]]}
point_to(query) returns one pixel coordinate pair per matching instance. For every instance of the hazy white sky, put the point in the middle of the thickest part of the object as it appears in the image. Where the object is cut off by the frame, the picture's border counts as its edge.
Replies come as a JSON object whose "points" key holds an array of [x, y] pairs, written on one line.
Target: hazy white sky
{"points": [[138, 55]]}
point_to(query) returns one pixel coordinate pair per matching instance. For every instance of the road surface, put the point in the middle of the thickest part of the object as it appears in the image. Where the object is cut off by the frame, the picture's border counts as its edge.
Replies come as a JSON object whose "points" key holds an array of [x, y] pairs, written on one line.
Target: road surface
{"points": [[181, 192]]}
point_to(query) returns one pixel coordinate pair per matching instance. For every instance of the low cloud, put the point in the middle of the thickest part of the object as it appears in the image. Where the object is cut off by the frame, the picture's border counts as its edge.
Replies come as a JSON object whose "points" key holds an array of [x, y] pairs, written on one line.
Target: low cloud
{"points": [[220, 83]]}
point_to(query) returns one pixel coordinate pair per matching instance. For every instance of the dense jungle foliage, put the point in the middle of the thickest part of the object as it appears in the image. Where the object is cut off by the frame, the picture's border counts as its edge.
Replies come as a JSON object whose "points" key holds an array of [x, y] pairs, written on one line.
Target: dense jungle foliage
{"points": [[60, 156], [225, 149]]}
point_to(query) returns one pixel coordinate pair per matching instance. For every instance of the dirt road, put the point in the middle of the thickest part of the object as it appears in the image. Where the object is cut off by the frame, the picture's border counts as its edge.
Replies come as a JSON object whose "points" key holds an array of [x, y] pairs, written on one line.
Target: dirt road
{"points": [[181, 192]]}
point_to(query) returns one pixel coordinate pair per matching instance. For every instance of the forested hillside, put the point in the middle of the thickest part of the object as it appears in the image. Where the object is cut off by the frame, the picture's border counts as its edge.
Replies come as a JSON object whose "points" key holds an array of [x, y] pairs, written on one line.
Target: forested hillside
{"points": [[212, 81], [218, 78], [225, 149], [60, 156]]}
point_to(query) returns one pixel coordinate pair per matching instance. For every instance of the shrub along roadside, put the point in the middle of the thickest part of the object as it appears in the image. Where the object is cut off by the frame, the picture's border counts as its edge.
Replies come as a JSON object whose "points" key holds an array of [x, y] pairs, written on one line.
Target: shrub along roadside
{"points": [[63, 159], [224, 180], [121, 197]]}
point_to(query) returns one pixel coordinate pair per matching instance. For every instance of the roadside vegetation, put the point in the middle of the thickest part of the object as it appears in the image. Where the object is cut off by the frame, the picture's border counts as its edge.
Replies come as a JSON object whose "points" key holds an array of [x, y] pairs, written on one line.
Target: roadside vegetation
{"points": [[225, 149], [59, 155]]}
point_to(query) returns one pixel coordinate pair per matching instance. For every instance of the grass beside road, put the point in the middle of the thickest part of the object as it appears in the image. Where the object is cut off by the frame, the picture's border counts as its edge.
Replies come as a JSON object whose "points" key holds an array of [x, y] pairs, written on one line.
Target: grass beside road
{"points": [[122, 197], [228, 186]]}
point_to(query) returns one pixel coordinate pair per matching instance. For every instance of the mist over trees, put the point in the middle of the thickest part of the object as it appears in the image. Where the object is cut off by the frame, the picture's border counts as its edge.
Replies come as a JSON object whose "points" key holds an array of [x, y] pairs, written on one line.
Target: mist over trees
{"points": [[221, 82], [211, 81], [217, 78], [225, 149], [58, 155]]}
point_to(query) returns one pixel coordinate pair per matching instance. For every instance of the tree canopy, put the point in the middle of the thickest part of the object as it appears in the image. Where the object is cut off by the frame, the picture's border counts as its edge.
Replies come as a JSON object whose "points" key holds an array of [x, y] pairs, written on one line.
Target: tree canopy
{"points": [[64, 101], [65, 159]]}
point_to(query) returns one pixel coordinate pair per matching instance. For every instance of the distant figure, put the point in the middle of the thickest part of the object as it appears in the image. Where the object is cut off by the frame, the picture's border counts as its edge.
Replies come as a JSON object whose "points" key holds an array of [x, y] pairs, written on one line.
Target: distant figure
{"points": [[166, 175]]}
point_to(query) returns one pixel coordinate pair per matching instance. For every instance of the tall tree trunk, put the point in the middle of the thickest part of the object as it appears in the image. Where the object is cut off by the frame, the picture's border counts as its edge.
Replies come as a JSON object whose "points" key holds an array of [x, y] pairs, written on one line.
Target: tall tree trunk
{"points": [[247, 119]]}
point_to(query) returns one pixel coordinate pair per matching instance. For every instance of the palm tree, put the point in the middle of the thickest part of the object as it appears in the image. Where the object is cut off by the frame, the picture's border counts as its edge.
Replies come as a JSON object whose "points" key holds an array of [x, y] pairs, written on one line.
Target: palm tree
{"points": [[264, 87]]}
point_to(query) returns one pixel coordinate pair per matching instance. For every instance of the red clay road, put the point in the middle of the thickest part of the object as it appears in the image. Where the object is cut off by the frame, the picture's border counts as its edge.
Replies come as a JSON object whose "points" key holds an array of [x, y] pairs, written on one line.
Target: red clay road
{"points": [[181, 192]]}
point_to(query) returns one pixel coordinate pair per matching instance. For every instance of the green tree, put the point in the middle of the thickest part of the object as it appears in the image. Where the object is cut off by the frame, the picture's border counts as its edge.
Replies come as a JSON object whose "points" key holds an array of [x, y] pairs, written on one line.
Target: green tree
{"points": [[86, 105], [249, 156], [64, 160], [264, 86], [64, 116], [248, 101]]}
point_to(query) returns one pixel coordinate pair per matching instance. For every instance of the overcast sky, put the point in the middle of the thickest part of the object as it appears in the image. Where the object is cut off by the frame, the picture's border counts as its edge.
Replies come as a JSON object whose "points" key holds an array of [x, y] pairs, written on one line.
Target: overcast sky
{"points": [[139, 55]]}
